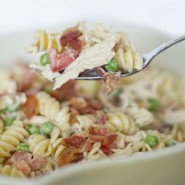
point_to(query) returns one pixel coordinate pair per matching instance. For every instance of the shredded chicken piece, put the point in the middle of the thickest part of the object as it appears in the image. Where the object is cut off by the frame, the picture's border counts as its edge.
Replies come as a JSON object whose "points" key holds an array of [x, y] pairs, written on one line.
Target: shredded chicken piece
{"points": [[90, 58]]}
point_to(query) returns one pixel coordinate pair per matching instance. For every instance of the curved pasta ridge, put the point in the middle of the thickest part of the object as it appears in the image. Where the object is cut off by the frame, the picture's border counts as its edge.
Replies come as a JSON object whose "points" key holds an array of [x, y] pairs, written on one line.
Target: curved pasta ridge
{"points": [[39, 144], [11, 171], [45, 41], [118, 121], [10, 139], [48, 106]]}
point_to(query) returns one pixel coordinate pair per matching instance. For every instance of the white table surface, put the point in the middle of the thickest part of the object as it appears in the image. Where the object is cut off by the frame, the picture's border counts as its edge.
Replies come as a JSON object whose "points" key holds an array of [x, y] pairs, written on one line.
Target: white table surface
{"points": [[16, 15]]}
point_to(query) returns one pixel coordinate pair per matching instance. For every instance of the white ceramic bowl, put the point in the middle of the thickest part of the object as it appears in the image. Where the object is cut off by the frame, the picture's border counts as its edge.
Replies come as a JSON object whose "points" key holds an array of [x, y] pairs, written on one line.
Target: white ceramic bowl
{"points": [[165, 167]]}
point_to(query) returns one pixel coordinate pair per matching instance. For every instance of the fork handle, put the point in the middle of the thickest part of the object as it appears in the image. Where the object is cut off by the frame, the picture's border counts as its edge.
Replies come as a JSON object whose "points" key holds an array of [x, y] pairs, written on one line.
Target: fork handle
{"points": [[150, 55]]}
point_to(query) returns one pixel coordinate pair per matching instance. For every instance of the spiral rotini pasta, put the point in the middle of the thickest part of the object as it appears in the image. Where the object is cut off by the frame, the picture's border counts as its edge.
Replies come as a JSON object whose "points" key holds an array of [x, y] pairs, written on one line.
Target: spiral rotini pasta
{"points": [[45, 41], [127, 58], [62, 121], [56, 143], [48, 106], [11, 171], [95, 153], [118, 121], [10, 139], [83, 123], [39, 144]]}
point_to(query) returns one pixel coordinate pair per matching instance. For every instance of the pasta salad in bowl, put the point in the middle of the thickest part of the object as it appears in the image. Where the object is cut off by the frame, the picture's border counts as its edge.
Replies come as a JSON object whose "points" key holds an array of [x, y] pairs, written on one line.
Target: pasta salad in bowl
{"points": [[75, 134]]}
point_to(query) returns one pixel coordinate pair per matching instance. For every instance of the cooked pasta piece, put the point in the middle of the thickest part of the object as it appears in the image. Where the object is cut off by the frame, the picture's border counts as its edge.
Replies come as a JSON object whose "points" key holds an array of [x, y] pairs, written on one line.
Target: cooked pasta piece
{"points": [[39, 144], [95, 153], [45, 41], [142, 117], [11, 171], [56, 143], [129, 61], [48, 106], [118, 121], [11, 138], [83, 123], [62, 121]]}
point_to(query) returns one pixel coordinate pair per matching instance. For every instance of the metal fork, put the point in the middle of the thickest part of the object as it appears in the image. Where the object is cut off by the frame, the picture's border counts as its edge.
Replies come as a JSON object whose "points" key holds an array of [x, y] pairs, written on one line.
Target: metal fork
{"points": [[147, 58]]}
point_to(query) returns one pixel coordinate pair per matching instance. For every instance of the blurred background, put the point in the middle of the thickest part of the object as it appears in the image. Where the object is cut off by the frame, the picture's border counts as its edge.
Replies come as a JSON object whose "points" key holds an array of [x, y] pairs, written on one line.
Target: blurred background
{"points": [[166, 15]]}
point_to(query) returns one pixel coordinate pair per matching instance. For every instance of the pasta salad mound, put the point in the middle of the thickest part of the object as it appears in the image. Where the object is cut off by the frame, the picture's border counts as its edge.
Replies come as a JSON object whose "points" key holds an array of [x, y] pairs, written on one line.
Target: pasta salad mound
{"points": [[42, 129]]}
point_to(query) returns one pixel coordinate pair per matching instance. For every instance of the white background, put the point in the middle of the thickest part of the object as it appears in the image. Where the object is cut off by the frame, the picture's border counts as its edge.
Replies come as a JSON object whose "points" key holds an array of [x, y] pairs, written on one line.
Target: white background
{"points": [[16, 15]]}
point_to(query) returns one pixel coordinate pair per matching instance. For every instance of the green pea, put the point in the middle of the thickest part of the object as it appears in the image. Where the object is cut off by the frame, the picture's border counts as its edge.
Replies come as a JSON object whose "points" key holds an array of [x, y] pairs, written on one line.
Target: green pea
{"points": [[47, 128], [153, 105], [151, 140], [112, 66], [32, 129], [44, 59], [23, 146], [9, 121], [48, 89], [116, 92], [169, 143], [12, 108]]}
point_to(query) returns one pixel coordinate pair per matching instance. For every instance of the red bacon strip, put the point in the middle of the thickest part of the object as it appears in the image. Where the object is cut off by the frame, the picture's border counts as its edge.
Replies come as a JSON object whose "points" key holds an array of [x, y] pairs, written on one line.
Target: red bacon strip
{"points": [[85, 105], [70, 155], [75, 141], [66, 92], [26, 162], [69, 36], [31, 107]]}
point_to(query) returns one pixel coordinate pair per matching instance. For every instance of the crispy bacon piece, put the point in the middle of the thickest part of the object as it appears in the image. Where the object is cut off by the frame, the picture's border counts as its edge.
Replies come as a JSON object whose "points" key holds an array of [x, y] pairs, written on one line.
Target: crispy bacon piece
{"points": [[78, 103], [85, 105], [95, 104], [76, 45], [30, 108], [76, 145], [99, 131], [59, 62], [104, 140], [73, 115], [88, 145], [26, 162], [69, 36], [106, 150], [70, 39], [66, 92], [70, 155], [75, 141], [101, 117], [102, 135], [111, 81]]}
